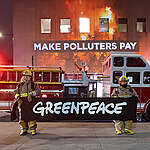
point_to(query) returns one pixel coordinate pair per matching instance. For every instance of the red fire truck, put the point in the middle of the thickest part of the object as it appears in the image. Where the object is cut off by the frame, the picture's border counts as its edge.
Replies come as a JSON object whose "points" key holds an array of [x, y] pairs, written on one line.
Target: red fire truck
{"points": [[48, 78], [137, 69]]}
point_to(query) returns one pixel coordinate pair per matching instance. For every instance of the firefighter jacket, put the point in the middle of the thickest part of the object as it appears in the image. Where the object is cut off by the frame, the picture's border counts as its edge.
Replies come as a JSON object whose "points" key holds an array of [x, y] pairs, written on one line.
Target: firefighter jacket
{"points": [[27, 90], [124, 92], [24, 94]]}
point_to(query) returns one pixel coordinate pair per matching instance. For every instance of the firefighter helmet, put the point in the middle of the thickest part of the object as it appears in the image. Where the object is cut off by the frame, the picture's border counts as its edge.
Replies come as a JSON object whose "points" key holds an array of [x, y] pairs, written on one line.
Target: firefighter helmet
{"points": [[27, 73], [123, 79]]}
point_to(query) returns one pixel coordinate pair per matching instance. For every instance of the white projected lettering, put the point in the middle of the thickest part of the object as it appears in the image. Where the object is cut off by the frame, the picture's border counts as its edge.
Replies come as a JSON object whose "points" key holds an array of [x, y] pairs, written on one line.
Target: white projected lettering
{"points": [[85, 46]]}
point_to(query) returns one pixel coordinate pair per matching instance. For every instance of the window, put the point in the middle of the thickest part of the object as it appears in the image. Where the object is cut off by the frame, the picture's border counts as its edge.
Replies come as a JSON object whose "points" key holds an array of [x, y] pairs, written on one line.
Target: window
{"points": [[19, 75], [118, 61], [64, 25], [55, 77], [123, 25], [38, 76], [12, 75], [133, 77], [3, 75], [104, 25], [46, 76], [135, 62], [116, 76], [84, 25], [141, 24], [73, 90], [45, 25], [146, 79]]}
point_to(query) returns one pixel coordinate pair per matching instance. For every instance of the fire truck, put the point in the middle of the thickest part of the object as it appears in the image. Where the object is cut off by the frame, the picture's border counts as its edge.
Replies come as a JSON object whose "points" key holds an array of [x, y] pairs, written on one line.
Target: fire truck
{"points": [[48, 78], [81, 85], [53, 82], [137, 70]]}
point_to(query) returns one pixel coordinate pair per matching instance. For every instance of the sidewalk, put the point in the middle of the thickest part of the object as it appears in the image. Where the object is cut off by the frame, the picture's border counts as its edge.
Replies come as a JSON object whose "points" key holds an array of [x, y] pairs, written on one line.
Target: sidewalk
{"points": [[74, 136]]}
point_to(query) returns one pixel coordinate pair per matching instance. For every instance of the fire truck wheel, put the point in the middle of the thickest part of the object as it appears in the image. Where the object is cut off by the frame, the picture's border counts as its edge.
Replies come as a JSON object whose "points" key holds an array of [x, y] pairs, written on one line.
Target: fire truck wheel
{"points": [[147, 114]]}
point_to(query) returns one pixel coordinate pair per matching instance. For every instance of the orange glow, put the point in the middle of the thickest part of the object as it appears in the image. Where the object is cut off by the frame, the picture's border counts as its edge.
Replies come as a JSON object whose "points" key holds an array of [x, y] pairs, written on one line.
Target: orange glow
{"points": [[86, 10], [107, 13]]}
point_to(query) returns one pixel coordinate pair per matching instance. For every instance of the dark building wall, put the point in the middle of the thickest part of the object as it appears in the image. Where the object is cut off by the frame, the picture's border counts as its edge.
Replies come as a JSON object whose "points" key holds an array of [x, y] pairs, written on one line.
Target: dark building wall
{"points": [[26, 28], [6, 48]]}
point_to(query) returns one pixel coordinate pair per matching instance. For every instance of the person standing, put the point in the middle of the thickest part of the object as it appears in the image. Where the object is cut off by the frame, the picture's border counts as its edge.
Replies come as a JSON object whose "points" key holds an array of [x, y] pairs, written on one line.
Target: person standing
{"points": [[24, 94], [124, 90]]}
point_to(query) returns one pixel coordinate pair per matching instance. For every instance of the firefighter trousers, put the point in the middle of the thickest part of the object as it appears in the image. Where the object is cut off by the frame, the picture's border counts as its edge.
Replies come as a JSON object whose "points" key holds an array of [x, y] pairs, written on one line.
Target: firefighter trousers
{"points": [[30, 125], [121, 125]]}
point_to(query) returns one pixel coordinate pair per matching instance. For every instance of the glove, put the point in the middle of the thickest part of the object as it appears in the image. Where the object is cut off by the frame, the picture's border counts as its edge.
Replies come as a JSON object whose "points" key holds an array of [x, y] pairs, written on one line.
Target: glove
{"points": [[16, 96]]}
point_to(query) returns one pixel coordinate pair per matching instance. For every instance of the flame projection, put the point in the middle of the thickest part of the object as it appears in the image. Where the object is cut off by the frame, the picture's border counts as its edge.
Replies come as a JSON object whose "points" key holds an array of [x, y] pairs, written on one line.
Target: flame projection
{"points": [[87, 9]]}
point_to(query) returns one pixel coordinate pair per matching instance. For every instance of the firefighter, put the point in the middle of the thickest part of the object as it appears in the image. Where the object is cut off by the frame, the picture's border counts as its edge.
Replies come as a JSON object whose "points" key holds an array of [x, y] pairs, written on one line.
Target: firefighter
{"points": [[124, 90], [24, 94]]}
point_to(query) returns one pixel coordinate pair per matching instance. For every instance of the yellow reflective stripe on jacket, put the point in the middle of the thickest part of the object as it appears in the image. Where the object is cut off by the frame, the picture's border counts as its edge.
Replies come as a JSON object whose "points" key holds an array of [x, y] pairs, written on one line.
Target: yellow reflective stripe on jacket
{"points": [[125, 96], [24, 95], [34, 93]]}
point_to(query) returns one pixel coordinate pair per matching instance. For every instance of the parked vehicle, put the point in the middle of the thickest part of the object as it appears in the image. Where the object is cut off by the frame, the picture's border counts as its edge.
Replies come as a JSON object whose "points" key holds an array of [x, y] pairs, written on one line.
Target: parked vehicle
{"points": [[137, 69]]}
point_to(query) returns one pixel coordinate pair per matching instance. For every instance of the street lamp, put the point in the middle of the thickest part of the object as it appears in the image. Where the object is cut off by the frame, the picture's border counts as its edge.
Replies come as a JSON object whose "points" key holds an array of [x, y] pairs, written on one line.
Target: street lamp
{"points": [[1, 35]]}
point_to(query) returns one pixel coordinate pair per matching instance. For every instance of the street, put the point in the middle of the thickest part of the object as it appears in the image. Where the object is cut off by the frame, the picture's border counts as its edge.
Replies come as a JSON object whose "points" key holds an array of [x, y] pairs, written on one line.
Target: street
{"points": [[74, 136]]}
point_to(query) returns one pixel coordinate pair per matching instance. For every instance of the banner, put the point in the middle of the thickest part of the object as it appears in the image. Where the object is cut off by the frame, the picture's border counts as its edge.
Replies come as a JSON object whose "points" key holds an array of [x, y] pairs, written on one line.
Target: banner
{"points": [[83, 109], [85, 45]]}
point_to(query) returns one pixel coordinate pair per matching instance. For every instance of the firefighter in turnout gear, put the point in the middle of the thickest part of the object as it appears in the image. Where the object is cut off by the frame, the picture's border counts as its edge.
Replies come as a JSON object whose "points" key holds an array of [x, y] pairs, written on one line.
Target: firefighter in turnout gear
{"points": [[24, 94], [124, 90]]}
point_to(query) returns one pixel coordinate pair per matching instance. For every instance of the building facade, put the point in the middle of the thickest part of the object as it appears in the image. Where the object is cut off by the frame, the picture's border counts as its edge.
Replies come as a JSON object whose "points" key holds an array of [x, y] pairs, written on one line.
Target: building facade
{"points": [[6, 31], [65, 20]]}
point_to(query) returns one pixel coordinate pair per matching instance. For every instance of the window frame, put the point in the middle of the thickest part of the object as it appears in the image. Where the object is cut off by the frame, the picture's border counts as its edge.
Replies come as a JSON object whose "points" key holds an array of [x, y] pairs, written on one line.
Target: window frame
{"points": [[136, 80], [135, 63], [80, 25], [141, 20], [50, 26], [103, 20], [144, 76], [62, 25], [123, 59], [116, 82], [122, 21]]}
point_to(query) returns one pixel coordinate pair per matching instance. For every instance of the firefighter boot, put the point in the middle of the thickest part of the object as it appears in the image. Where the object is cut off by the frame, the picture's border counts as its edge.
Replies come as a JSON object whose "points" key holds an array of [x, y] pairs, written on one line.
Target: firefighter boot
{"points": [[118, 132], [23, 132], [130, 132], [128, 127], [32, 127], [24, 127], [119, 126]]}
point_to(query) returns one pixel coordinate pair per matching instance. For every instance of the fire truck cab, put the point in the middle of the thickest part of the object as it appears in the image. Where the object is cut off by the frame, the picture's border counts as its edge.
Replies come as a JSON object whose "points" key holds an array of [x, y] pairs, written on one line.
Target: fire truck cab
{"points": [[80, 85], [137, 70]]}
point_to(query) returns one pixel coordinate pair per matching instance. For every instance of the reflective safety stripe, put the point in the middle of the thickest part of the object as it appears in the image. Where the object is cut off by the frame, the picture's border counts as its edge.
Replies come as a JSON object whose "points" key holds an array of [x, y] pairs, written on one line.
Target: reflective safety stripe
{"points": [[12, 90], [7, 90], [55, 91], [5, 103], [24, 95], [125, 96], [34, 93]]}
